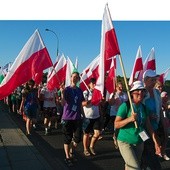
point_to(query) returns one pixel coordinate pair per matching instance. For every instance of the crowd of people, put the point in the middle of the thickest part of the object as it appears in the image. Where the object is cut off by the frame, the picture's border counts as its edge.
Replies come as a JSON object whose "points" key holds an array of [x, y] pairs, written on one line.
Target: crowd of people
{"points": [[139, 126]]}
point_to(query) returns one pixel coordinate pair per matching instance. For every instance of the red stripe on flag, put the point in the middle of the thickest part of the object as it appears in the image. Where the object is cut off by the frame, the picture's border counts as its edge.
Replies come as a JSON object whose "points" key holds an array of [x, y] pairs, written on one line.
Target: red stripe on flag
{"points": [[36, 63], [111, 44]]}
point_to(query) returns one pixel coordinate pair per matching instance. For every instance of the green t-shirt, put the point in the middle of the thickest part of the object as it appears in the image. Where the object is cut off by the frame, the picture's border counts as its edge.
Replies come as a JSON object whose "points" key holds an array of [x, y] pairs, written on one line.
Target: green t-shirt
{"points": [[130, 133]]}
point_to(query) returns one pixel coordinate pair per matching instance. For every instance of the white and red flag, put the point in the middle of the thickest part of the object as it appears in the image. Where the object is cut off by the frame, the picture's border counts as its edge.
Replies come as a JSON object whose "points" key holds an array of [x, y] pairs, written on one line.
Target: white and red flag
{"points": [[149, 63], [58, 75], [111, 78], [33, 59], [108, 49], [137, 67], [162, 77], [91, 71]]}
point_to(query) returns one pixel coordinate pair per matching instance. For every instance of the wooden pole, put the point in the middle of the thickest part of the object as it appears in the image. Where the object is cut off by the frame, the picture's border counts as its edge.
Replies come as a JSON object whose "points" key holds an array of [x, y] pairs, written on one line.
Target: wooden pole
{"points": [[127, 87]]}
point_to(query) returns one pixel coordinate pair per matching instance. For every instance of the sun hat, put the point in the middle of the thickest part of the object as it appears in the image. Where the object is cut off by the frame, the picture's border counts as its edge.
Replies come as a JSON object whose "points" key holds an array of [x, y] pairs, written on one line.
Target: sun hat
{"points": [[137, 85], [164, 93], [149, 73]]}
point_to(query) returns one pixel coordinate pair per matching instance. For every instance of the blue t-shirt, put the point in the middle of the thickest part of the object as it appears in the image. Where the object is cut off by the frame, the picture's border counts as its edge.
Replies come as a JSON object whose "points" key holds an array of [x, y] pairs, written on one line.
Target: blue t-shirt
{"points": [[73, 105], [151, 105], [31, 100]]}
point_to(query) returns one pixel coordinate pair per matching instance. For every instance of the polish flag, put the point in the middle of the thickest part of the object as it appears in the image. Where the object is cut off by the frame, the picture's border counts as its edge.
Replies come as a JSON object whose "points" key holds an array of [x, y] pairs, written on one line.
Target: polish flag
{"points": [[52, 68], [138, 66], [38, 77], [108, 49], [58, 75], [33, 58], [69, 70], [111, 78], [149, 63], [91, 71], [162, 78]]}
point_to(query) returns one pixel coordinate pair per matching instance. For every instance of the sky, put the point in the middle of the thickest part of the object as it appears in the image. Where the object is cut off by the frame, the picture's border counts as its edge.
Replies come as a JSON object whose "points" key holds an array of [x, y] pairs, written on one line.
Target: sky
{"points": [[79, 30]]}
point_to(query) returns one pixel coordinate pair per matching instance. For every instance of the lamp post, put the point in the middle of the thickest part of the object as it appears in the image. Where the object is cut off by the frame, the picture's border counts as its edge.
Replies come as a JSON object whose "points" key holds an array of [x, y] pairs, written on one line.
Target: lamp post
{"points": [[56, 37]]}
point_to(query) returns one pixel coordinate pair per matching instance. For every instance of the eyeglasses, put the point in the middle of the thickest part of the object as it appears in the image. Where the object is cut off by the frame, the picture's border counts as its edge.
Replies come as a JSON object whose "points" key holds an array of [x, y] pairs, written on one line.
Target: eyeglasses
{"points": [[141, 92]]}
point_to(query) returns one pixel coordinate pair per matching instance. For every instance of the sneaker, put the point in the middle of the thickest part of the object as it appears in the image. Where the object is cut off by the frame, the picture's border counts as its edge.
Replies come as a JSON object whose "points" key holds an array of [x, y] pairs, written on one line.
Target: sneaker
{"points": [[46, 131], [68, 162], [166, 157], [100, 137], [34, 126], [92, 151]]}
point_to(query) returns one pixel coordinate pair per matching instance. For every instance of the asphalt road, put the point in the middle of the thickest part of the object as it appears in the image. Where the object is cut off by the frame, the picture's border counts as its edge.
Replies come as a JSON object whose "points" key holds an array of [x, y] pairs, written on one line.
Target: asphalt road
{"points": [[51, 147]]}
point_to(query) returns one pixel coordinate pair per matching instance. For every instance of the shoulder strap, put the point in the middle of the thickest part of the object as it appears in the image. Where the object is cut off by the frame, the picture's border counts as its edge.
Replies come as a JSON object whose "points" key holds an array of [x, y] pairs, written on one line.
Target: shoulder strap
{"points": [[128, 105]]}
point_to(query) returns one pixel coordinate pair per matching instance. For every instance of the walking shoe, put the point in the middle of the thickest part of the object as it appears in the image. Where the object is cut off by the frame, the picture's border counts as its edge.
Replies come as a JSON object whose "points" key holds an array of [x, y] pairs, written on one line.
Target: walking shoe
{"points": [[92, 151], [165, 157], [68, 162], [46, 131], [34, 126]]}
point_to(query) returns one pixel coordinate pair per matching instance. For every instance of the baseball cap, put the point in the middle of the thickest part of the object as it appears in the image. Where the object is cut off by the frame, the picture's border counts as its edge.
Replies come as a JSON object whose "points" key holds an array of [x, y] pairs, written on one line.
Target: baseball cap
{"points": [[149, 73], [137, 85]]}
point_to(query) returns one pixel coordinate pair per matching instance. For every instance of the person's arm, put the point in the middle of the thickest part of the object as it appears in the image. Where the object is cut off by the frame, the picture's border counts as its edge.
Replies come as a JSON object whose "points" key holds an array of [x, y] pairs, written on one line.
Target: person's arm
{"points": [[22, 104], [154, 136], [62, 96], [120, 122]]}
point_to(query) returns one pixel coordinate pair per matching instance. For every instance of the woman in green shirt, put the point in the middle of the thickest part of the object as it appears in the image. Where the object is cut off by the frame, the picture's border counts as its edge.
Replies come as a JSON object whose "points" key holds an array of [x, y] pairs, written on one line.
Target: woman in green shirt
{"points": [[130, 139]]}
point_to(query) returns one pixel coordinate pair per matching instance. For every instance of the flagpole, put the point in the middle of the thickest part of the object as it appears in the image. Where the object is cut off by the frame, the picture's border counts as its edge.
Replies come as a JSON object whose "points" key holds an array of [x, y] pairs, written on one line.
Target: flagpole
{"points": [[85, 83], [127, 87]]}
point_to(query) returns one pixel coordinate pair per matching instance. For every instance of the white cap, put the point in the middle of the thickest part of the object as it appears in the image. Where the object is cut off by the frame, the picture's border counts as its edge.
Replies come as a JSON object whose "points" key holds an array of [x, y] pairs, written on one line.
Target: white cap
{"points": [[149, 73], [137, 85]]}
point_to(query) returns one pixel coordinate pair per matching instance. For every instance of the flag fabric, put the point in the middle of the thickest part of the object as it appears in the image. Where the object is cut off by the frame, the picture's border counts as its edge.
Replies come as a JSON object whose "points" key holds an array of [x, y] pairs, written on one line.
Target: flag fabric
{"points": [[58, 75], [33, 58], [50, 71], [6, 68], [76, 63], [38, 77], [111, 77], [149, 63], [137, 67], [69, 70], [163, 76], [1, 75], [108, 49], [91, 71]]}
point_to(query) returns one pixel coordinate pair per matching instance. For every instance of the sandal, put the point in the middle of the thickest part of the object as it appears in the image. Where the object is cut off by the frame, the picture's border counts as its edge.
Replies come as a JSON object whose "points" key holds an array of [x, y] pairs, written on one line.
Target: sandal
{"points": [[92, 151], [86, 153], [72, 157]]}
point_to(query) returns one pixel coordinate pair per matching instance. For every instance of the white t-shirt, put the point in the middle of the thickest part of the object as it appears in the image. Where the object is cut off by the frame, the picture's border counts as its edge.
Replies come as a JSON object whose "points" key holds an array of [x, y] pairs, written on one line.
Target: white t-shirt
{"points": [[90, 111], [49, 97], [119, 99]]}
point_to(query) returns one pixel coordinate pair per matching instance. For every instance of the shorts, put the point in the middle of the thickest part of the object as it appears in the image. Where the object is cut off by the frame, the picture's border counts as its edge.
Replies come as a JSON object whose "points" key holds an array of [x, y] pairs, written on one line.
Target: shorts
{"points": [[94, 124], [49, 112], [72, 130]]}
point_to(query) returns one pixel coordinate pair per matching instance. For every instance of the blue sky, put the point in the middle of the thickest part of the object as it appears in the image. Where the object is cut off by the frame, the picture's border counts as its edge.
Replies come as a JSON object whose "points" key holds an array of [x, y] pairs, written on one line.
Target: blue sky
{"points": [[78, 26], [81, 39]]}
